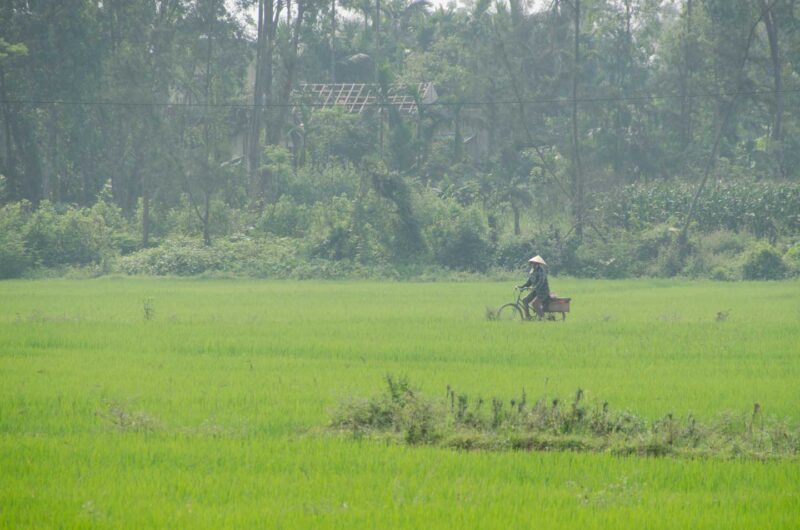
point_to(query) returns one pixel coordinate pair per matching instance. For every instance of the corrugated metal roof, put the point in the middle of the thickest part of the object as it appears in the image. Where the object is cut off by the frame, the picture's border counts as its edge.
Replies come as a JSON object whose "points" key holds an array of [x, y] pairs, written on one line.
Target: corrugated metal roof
{"points": [[355, 97]]}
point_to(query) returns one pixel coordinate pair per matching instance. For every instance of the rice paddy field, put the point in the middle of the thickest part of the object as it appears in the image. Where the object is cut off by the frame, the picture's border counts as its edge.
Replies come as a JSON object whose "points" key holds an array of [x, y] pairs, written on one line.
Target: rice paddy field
{"points": [[147, 403]]}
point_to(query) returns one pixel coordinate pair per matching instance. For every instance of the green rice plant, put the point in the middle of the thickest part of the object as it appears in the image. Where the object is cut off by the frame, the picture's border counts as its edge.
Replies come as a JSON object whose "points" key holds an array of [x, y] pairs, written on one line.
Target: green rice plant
{"points": [[148, 309], [222, 400]]}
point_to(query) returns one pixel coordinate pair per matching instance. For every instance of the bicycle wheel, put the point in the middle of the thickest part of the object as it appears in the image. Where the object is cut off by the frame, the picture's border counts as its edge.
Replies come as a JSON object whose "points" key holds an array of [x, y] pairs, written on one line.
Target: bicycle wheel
{"points": [[509, 312]]}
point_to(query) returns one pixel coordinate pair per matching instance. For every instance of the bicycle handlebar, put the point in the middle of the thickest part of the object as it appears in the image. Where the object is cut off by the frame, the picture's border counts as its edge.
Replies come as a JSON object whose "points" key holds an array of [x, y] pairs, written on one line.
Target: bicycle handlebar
{"points": [[519, 291]]}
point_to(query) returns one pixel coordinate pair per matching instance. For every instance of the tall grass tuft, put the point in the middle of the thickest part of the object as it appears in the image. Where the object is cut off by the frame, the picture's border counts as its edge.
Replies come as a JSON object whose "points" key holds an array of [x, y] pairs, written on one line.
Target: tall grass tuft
{"points": [[459, 422], [148, 309]]}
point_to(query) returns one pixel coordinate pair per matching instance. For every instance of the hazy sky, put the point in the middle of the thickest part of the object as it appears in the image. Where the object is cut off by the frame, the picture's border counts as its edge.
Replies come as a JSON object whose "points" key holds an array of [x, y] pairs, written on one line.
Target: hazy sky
{"points": [[533, 4]]}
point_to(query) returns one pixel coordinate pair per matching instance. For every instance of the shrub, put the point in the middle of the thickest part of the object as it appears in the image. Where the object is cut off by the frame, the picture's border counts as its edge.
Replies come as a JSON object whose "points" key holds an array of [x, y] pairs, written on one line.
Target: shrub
{"points": [[358, 231], [335, 134], [161, 220], [14, 258], [184, 218], [276, 161], [81, 238], [725, 242], [717, 255], [74, 237], [180, 257], [399, 411], [722, 274], [274, 258], [460, 241], [284, 218], [613, 257], [265, 258], [332, 235], [792, 259], [652, 242], [763, 263], [513, 252], [311, 184]]}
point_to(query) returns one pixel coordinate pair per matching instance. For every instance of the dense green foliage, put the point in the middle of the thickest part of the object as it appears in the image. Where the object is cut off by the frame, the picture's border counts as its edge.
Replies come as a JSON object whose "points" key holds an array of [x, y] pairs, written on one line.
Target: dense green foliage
{"points": [[369, 235], [141, 403], [764, 209], [579, 130]]}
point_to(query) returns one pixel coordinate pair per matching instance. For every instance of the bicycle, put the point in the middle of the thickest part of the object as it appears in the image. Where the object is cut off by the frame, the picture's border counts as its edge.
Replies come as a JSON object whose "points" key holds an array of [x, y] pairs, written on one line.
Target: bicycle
{"points": [[516, 310]]}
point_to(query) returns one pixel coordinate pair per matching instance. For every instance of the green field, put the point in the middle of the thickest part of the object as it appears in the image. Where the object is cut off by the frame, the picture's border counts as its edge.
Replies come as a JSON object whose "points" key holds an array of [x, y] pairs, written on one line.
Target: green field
{"points": [[210, 413]]}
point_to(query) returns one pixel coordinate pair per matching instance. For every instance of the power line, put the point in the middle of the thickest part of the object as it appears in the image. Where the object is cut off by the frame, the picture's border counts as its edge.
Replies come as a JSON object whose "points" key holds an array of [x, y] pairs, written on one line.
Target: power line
{"points": [[468, 103]]}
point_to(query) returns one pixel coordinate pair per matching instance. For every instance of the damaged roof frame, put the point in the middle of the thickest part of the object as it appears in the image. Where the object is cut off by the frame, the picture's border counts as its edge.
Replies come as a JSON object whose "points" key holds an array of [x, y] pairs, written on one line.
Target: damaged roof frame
{"points": [[355, 97]]}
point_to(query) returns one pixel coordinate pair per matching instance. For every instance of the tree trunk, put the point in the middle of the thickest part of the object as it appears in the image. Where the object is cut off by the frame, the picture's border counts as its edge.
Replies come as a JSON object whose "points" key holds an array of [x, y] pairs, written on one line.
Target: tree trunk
{"points": [[577, 172], [31, 180], [727, 114], [377, 26], [208, 177], [772, 33], [333, 41], [458, 142], [271, 15], [145, 211], [139, 174], [268, 13], [254, 140], [623, 66], [50, 177], [686, 80], [419, 134], [517, 229], [9, 164], [492, 115], [291, 67], [206, 221]]}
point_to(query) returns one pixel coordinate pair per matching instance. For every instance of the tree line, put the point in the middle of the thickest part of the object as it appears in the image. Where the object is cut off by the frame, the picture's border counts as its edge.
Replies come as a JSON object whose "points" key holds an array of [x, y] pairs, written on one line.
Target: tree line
{"points": [[543, 111]]}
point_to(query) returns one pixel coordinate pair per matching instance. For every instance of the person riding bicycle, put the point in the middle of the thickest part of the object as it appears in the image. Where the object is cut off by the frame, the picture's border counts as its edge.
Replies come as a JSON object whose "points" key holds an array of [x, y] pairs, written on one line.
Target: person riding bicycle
{"points": [[540, 289]]}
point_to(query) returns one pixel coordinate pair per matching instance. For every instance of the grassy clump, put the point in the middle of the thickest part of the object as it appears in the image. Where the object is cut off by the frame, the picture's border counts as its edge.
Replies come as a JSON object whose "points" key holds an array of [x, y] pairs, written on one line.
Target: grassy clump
{"points": [[123, 419], [459, 422], [399, 411]]}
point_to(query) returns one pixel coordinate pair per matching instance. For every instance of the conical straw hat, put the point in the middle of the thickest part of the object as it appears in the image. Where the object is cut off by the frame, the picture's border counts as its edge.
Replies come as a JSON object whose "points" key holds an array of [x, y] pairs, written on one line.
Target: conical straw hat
{"points": [[537, 259]]}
